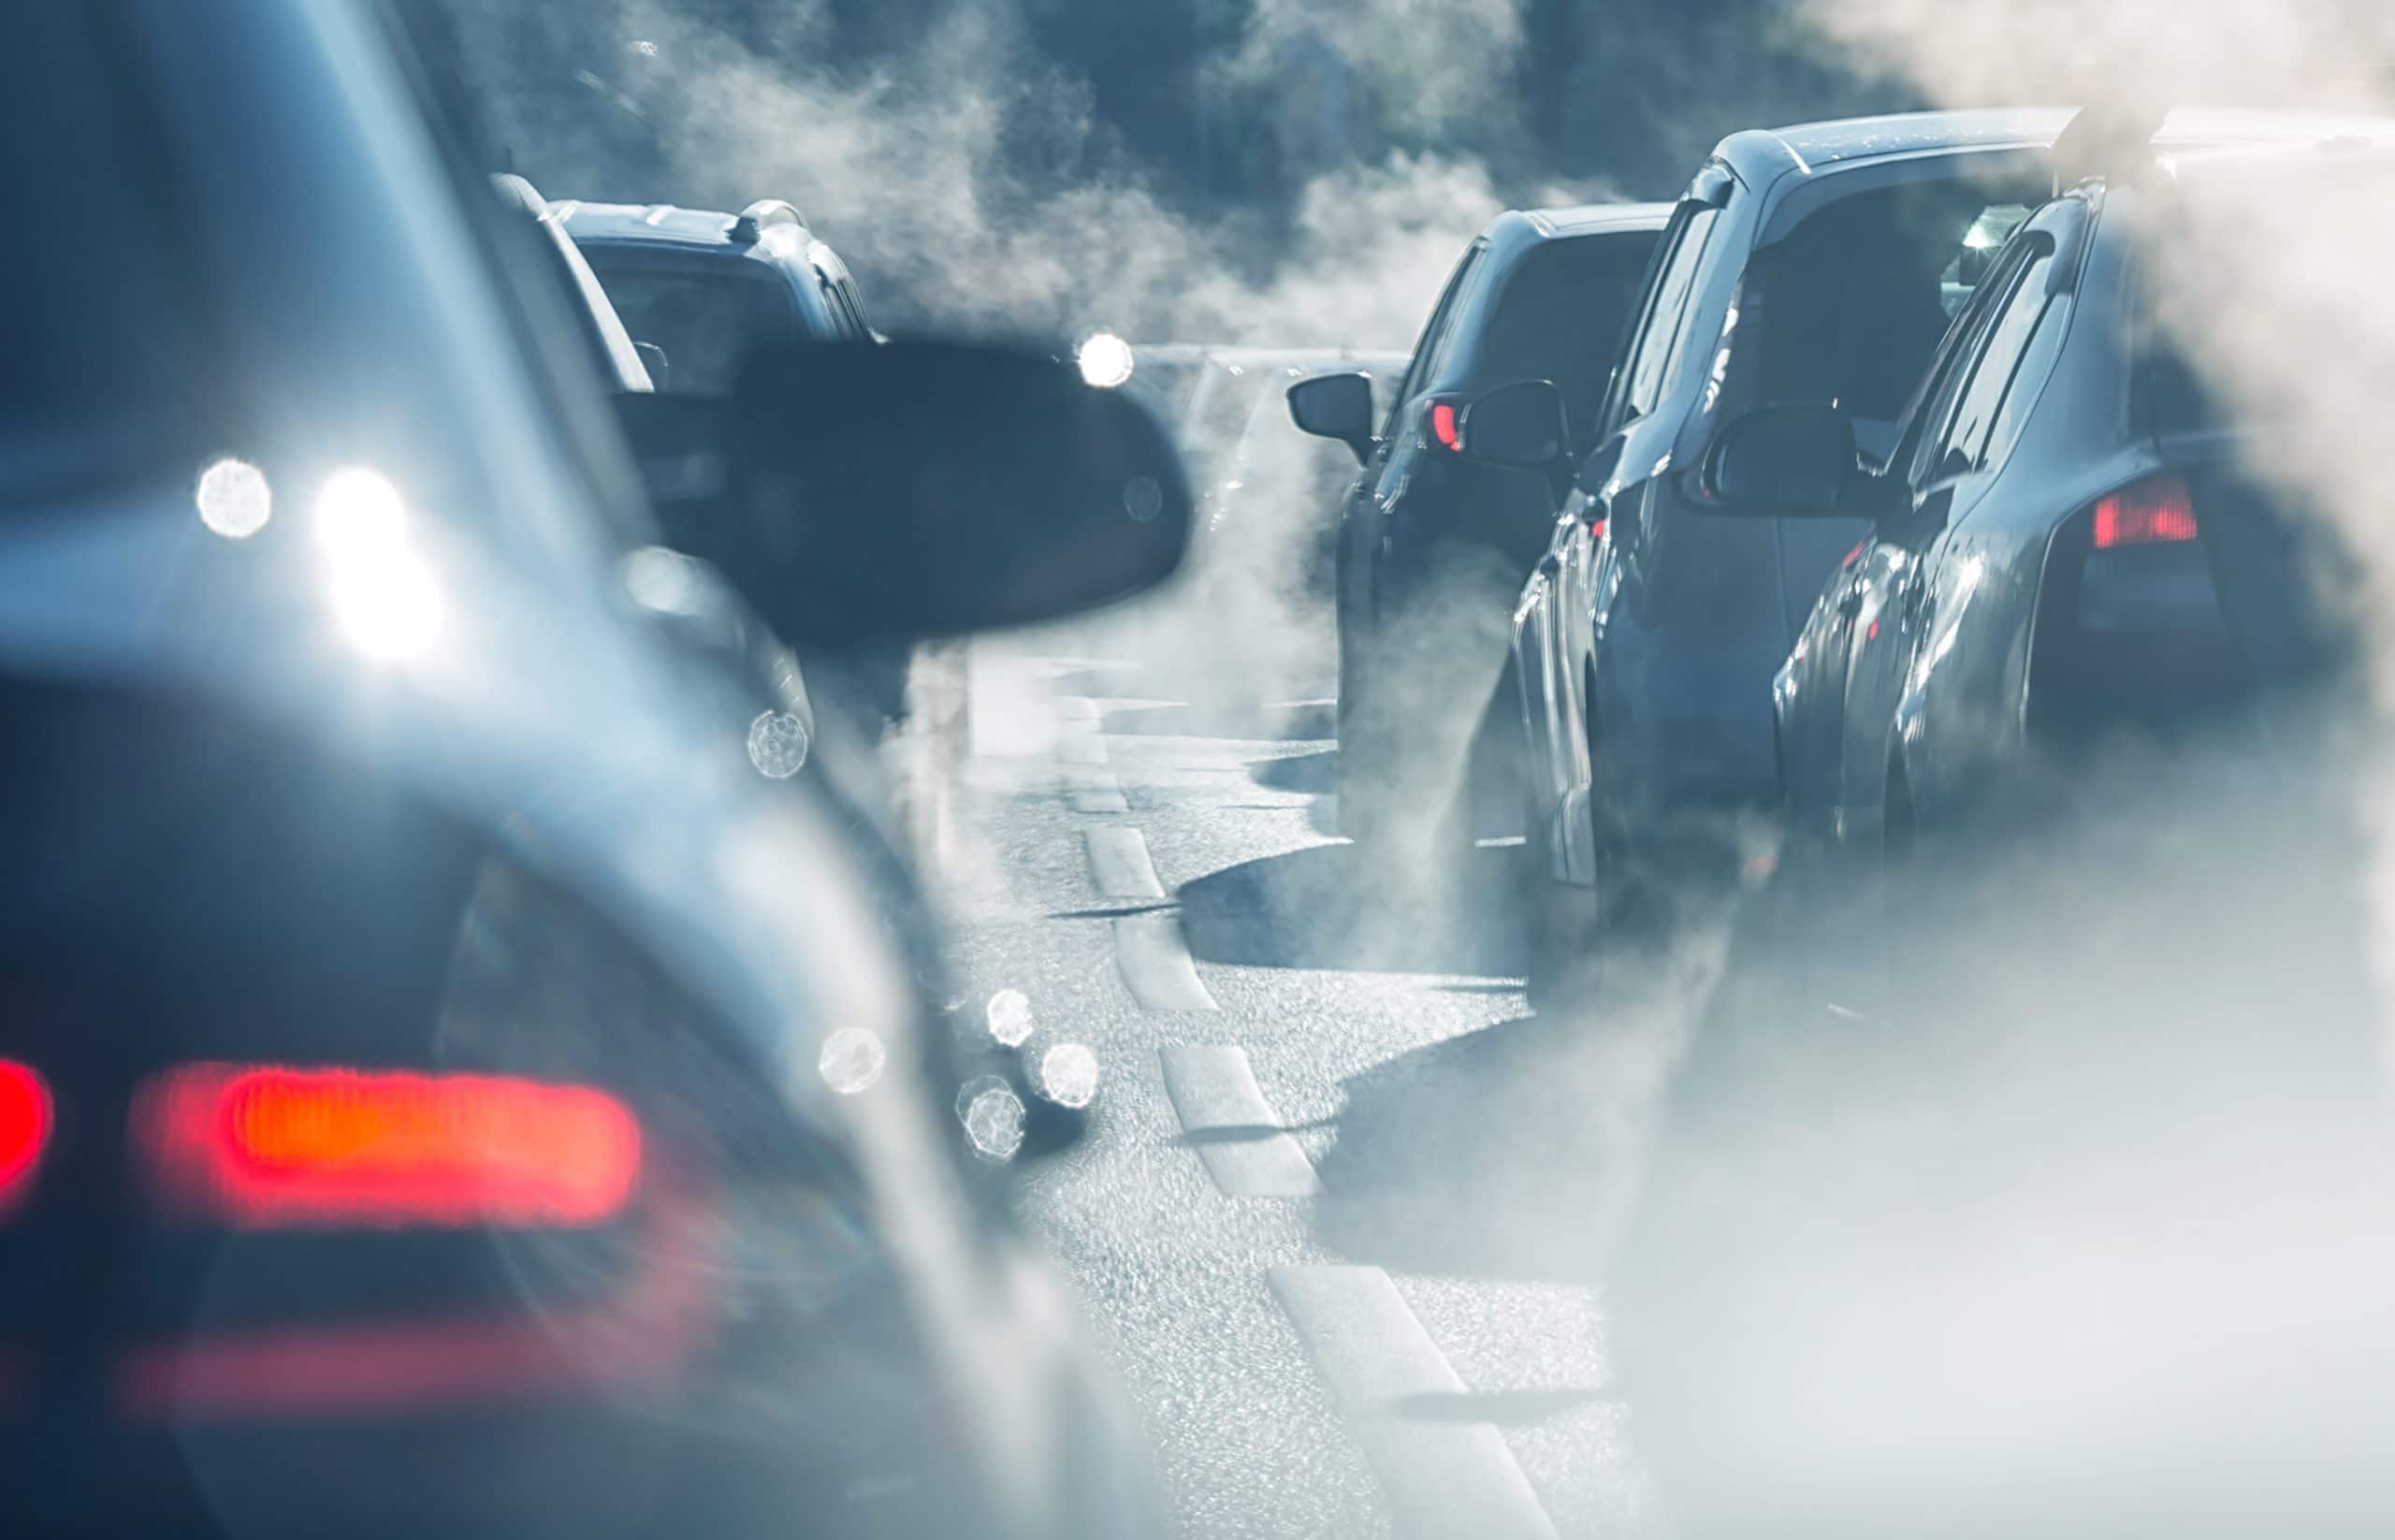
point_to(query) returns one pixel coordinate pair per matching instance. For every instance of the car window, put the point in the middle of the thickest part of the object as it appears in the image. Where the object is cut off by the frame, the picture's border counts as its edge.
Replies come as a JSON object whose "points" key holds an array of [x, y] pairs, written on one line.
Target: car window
{"points": [[1963, 444], [702, 319], [1559, 317], [1430, 352], [1934, 402], [1666, 308], [2029, 375], [1849, 307]]}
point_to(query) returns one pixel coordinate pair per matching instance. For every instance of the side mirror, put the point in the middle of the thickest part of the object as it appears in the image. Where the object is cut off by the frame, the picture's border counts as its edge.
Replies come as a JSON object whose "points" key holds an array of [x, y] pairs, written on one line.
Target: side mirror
{"points": [[1336, 406], [1796, 461], [1522, 425], [863, 492]]}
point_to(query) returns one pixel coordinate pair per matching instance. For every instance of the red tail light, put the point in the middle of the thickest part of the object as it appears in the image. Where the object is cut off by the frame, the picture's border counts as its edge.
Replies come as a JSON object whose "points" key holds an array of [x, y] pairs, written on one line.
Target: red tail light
{"points": [[2155, 510], [260, 1147], [1445, 429], [24, 1129]]}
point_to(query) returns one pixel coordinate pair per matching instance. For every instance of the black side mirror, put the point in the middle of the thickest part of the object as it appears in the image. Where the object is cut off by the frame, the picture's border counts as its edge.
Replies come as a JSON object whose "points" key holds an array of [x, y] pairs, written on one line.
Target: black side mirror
{"points": [[1794, 461], [1522, 425], [863, 492], [1336, 406]]}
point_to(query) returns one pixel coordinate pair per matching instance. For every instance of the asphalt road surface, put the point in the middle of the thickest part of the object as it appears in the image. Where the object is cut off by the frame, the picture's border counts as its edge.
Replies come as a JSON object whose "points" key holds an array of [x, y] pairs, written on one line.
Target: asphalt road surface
{"points": [[1342, 1201]]}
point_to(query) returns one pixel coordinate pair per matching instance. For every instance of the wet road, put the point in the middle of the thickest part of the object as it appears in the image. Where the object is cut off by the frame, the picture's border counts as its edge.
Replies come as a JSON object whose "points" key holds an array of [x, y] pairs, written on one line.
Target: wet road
{"points": [[1339, 1211]]}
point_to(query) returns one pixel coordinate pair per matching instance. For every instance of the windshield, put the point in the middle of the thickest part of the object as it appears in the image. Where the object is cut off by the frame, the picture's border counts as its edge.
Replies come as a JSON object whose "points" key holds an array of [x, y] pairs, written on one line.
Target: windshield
{"points": [[974, 933]]}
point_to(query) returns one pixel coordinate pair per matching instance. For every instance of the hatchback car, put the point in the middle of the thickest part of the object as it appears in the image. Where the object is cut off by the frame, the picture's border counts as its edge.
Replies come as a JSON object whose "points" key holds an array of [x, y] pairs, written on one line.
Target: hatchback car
{"points": [[2066, 545]]}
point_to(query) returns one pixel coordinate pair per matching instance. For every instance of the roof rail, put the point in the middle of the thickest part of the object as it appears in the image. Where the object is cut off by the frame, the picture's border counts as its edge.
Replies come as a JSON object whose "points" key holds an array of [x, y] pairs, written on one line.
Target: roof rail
{"points": [[753, 220], [2104, 140]]}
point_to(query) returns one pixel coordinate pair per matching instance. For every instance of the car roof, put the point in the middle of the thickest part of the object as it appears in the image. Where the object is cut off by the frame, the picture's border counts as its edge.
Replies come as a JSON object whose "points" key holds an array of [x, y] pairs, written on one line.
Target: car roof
{"points": [[1757, 155], [1590, 218], [650, 224]]}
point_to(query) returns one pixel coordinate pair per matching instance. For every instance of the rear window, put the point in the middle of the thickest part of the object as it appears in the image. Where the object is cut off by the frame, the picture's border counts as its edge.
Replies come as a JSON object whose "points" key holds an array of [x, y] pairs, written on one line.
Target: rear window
{"points": [[1850, 308], [1560, 316], [702, 317]]}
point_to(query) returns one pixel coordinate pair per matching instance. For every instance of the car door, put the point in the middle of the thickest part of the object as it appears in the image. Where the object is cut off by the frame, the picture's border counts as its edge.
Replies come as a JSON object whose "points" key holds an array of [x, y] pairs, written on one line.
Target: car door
{"points": [[1572, 591], [1917, 574], [1382, 478]]}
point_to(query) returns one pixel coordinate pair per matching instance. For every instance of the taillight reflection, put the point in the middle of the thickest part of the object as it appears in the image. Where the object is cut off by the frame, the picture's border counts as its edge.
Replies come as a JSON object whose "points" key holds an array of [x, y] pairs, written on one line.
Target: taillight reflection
{"points": [[24, 1129], [263, 1147]]}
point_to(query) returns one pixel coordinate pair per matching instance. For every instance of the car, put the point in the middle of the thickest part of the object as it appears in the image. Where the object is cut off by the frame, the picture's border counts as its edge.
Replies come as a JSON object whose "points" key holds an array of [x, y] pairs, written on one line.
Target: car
{"points": [[2050, 1066], [2063, 548], [1816, 263], [450, 1081], [1433, 544], [699, 287]]}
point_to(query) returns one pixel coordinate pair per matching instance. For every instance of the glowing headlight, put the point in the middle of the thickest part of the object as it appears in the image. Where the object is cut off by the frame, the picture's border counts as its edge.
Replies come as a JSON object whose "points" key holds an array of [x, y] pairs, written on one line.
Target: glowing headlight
{"points": [[383, 594]]}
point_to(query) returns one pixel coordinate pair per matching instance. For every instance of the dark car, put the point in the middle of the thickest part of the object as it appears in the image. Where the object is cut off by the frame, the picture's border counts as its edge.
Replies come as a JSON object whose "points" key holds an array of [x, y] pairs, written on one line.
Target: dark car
{"points": [[1819, 263], [2063, 546], [704, 287], [700, 289], [1432, 547], [450, 1083]]}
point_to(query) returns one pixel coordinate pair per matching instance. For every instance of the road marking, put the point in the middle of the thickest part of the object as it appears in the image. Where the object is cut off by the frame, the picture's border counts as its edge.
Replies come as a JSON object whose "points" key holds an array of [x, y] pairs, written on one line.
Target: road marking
{"points": [[1092, 789], [1235, 1131], [1118, 859], [1442, 1477], [1155, 964], [1076, 708], [1079, 744]]}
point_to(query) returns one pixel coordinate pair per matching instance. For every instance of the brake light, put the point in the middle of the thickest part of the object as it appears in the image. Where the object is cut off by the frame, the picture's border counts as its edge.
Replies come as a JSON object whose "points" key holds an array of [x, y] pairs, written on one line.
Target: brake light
{"points": [[263, 1147], [2157, 511], [24, 1129], [1445, 427]]}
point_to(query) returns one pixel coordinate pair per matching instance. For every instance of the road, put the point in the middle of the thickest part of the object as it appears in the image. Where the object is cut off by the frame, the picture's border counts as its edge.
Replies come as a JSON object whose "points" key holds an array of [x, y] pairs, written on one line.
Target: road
{"points": [[1340, 1203]]}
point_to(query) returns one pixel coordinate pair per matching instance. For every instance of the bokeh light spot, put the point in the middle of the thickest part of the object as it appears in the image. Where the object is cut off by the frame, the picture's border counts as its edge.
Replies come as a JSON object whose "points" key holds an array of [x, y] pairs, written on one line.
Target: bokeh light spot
{"points": [[235, 499], [1105, 360], [993, 1119], [778, 745], [852, 1059], [1068, 1075], [1009, 1017]]}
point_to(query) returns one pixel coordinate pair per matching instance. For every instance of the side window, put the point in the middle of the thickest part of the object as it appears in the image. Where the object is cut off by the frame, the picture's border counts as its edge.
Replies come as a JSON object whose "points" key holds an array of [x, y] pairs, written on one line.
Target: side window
{"points": [[1432, 349], [1963, 444], [1659, 330], [1932, 404], [2029, 379]]}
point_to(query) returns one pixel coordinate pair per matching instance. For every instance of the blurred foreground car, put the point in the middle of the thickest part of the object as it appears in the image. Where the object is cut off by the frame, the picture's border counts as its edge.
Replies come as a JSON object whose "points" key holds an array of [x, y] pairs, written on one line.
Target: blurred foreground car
{"points": [[1432, 547], [451, 1080]]}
